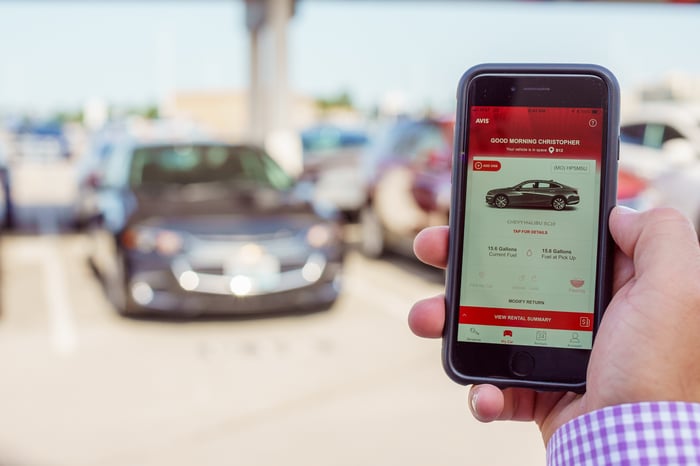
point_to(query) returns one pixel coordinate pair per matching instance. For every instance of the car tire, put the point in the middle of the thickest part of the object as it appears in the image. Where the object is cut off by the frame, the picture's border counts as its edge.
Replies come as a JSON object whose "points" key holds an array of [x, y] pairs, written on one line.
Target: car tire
{"points": [[558, 203], [501, 201], [371, 234], [78, 222], [6, 210], [117, 291], [10, 217]]}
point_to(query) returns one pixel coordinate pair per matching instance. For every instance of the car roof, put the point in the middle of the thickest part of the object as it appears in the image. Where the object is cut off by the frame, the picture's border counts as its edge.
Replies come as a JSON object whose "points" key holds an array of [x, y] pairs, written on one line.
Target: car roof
{"points": [[173, 142], [139, 131], [683, 115], [537, 181]]}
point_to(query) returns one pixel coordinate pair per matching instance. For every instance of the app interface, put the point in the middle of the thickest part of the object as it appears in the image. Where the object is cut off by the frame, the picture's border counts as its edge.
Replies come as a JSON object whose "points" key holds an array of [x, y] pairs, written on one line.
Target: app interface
{"points": [[531, 219]]}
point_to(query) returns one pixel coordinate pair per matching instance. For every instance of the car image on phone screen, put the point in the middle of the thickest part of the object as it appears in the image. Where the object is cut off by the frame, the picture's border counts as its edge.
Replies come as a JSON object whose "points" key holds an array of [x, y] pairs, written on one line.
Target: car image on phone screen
{"points": [[534, 181]]}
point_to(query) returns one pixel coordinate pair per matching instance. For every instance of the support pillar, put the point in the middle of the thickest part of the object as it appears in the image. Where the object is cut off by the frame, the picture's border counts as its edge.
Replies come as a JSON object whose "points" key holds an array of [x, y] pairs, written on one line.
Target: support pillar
{"points": [[269, 98]]}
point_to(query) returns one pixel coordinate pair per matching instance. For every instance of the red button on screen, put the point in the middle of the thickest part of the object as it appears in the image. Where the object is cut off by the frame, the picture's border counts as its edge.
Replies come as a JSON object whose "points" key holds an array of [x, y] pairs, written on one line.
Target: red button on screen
{"points": [[486, 165]]}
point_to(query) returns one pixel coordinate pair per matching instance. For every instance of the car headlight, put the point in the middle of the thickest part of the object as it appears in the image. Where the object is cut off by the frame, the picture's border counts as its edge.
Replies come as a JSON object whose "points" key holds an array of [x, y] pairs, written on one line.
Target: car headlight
{"points": [[148, 240], [320, 235]]}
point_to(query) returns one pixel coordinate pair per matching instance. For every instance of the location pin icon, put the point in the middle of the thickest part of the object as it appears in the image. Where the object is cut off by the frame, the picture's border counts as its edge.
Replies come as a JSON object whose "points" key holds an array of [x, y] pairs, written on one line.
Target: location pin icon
{"points": [[551, 150]]}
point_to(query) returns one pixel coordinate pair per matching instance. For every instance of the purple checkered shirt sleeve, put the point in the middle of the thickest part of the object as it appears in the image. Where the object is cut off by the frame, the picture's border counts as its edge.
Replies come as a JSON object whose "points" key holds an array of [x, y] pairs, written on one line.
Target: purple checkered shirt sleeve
{"points": [[652, 433]]}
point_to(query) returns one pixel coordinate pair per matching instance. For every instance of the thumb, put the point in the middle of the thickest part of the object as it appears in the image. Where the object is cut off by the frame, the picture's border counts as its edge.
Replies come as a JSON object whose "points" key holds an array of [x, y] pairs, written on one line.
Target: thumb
{"points": [[657, 239]]}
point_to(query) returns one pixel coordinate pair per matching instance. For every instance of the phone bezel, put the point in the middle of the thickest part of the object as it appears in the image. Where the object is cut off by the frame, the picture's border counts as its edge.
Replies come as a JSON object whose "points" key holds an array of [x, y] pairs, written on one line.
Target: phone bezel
{"points": [[529, 86]]}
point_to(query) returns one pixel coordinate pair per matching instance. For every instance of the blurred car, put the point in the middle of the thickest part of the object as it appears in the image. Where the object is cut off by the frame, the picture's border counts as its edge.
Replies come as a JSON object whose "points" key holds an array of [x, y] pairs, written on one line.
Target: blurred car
{"points": [[87, 180], [332, 162], [679, 189], [41, 140], [207, 228], [660, 145], [633, 191], [7, 208], [534, 193], [407, 180], [660, 137], [90, 164]]}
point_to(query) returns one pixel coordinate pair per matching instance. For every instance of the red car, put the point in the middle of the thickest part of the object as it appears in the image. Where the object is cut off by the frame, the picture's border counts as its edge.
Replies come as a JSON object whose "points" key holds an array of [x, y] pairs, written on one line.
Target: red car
{"points": [[407, 176]]}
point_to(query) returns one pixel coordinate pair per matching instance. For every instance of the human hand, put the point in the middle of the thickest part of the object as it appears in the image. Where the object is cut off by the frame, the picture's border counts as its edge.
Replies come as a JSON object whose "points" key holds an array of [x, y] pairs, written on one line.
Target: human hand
{"points": [[647, 346]]}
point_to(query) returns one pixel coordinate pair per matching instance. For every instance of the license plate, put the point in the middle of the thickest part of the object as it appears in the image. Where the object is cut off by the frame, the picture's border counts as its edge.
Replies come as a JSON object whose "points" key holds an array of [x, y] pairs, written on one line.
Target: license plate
{"points": [[253, 262]]}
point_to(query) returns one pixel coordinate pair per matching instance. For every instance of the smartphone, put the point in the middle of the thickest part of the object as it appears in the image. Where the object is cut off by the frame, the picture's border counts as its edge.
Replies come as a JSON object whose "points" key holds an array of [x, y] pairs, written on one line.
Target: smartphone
{"points": [[530, 255]]}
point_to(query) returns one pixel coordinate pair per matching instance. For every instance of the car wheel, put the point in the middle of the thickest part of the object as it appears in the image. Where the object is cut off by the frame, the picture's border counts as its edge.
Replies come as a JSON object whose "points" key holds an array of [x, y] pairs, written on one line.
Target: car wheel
{"points": [[371, 233], [117, 291], [6, 210], [10, 217], [500, 201], [558, 203], [78, 222]]}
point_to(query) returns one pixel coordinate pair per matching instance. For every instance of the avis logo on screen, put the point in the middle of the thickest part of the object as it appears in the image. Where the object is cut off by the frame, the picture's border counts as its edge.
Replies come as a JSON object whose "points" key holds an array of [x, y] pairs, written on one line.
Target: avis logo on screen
{"points": [[482, 121]]}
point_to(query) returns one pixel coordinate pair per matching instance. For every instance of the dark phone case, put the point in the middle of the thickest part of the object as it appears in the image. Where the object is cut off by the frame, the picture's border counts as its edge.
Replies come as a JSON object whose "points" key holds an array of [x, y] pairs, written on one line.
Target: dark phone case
{"points": [[608, 200]]}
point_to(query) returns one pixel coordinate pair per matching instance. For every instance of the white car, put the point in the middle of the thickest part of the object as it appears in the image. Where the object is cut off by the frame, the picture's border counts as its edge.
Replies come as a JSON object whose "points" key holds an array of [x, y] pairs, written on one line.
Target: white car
{"points": [[679, 189], [660, 144], [332, 157], [660, 136]]}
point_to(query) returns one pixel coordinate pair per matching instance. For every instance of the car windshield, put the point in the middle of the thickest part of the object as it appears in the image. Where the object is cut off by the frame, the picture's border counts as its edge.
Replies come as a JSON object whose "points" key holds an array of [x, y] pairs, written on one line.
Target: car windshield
{"points": [[328, 138], [236, 167]]}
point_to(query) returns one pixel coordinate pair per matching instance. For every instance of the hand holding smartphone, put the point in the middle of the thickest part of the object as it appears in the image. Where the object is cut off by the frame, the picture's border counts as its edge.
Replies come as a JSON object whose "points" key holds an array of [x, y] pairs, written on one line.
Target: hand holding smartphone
{"points": [[534, 179]]}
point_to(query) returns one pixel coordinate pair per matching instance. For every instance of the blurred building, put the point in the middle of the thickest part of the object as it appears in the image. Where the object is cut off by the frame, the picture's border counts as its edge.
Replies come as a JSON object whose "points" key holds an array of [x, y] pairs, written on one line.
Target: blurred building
{"points": [[225, 112], [676, 86]]}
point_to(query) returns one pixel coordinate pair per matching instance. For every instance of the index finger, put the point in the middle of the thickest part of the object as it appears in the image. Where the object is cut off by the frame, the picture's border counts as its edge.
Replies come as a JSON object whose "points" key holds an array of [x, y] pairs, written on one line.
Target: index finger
{"points": [[431, 244]]}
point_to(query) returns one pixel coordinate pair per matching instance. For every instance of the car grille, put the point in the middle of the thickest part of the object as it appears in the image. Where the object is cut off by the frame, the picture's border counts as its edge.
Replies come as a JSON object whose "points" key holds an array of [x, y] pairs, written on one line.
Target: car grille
{"points": [[281, 235], [292, 264], [210, 256]]}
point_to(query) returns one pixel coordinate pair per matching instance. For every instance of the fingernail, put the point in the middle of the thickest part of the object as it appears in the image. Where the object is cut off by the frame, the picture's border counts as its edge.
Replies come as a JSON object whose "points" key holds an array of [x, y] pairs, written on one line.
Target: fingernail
{"points": [[475, 395], [623, 210]]}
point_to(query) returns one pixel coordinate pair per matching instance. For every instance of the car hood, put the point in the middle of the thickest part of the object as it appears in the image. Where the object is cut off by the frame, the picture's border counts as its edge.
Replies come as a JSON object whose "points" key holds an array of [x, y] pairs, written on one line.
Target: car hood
{"points": [[238, 213]]}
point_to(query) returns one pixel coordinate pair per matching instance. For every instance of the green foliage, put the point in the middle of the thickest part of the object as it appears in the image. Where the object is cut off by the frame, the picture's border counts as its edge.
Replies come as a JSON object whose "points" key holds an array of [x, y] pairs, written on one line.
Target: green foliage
{"points": [[151, 112], [339, 101], [75, 116]]}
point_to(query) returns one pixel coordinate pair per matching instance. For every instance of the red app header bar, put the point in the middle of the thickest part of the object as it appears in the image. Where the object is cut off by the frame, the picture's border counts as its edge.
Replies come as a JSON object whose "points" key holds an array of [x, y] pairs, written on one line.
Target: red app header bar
{"points": [[536, 132]]}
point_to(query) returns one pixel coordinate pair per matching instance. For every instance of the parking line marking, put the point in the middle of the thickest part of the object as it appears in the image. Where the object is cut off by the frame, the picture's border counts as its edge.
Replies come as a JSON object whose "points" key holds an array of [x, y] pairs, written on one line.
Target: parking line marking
{"points": [[61, 323], [62, 327]]}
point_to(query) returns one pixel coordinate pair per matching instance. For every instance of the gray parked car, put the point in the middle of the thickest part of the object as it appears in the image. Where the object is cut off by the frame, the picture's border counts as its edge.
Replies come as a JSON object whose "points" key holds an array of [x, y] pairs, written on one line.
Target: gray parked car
{"points": [[209, 228], [534, 193]]}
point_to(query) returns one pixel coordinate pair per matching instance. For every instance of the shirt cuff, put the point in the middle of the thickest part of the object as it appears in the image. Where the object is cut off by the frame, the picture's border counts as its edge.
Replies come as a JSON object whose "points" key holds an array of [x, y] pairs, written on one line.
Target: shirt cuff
{"points": [[649, 433]]}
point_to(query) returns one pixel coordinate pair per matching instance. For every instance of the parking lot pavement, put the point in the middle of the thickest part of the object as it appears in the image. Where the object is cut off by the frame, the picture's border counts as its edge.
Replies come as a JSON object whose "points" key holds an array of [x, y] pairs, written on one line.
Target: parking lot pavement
{"points": [[345, 386]]}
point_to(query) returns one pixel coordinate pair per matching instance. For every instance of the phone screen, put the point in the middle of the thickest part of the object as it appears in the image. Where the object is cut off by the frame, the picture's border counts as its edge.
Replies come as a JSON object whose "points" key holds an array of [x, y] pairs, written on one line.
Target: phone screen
{"points": [[532, 206]]}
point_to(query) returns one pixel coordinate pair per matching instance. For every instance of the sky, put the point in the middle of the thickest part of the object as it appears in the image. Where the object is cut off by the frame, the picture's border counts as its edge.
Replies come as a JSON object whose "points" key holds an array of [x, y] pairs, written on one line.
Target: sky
{"points": [[56, 55]]}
